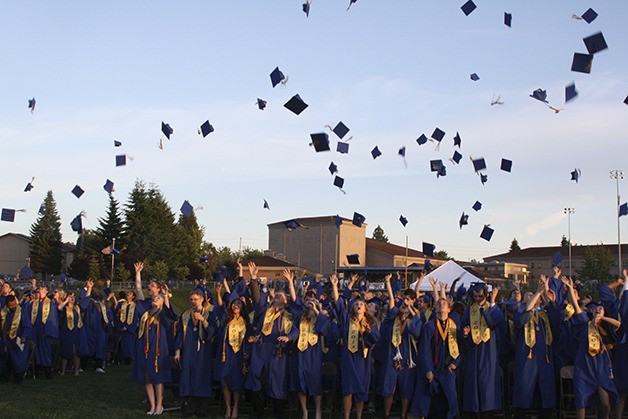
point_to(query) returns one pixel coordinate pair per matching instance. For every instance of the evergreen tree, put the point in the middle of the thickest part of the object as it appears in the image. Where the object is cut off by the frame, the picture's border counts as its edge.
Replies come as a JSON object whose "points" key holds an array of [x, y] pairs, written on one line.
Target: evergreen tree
{"points": [[190, 240], [564, 242], [514, 245], [442, 254], [597, 263], [94, 268], [45, 248], [378, 234], [111, 227]]}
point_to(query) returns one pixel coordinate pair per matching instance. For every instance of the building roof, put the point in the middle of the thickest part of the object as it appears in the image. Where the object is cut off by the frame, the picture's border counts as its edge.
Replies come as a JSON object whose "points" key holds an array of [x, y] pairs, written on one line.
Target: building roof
{"points": [[65, 247], [18, 235], [548, 251], [312, 220], [269, 262], [393, 249]]}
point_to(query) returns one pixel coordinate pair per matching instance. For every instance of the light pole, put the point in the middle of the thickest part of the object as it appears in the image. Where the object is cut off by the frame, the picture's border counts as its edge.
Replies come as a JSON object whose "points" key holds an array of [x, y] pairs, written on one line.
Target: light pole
{"points": [[569, 211], [617, 175]]}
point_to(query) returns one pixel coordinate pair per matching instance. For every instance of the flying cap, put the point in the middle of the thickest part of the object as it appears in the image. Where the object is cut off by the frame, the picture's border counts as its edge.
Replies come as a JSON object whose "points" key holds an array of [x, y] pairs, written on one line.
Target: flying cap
{"points": [[477, 206], [186, 208], [342, 148], [77, 224], [306, 8], [474, 77], [296, 104], [595, 43], [340, 130], [456, 157], [479, 164], [402, 151], [375, 153], [435, 165], [403, 220], [31, 104], [428, 249], [442, 171], [29, 186], [487, 233], [589, 16], [468, 7], [266, 204], [353, 259], [626, 100], [557, 258], [358, 219], [421, 140], [508, 19], [261, 104], [277, 77], [78, 191], [570, 92], [338, 221], [339, 182], [623, 209], [539, 94], [506, 165], [457, 140], [333, 169], [206, 129], [575, 175], [117, 143], [8, 215], [121, 160], [483, 178], [42, 209], [464, 220], [582, 63], [109, 186], [166, 129], [292, 225], [438, 134], [320, 141]]}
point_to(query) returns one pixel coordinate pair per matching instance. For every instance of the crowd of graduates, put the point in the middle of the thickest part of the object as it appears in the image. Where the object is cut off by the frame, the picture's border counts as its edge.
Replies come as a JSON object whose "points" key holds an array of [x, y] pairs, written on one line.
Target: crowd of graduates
{"points": [[442, 353]]}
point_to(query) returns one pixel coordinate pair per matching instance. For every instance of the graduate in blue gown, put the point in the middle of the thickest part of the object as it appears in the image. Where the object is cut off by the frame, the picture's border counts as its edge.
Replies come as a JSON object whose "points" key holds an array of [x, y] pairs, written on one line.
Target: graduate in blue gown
{"points": [[534, 379], [97, 320], [15, 323], [359, 333], [399, 335], [126, 325], [44, 318], [481, 322], [195, 329], [72, 335]]}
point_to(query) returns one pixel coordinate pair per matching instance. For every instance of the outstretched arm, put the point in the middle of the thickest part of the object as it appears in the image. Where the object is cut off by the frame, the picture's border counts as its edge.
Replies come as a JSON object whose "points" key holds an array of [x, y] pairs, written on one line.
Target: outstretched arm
{"points": [[391, 295], [138, 280], [289, 275], [334, 287], [254, 284]]}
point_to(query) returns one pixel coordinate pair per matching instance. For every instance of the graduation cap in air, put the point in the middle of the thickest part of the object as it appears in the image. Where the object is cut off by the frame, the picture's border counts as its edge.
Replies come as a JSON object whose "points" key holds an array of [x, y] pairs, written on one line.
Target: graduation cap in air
{"points": [[186, 208], [353, 259], [403, 220], [464, 220], [266, 206], [623, 209], [342, 148], [77, 191], [456, 157], [42, 209], [338, 221], [626, 100], [435, 165], [203, 259], [166, 129], [442, 171], [320, 141], [358, 219], [31, 104], [540, 95], [339, 183], [333, 169], [487, 233], [421, 140], [306, 7], [575, 175], [340, 129], [557, 258], [595, 43], [457, 140], [77, 224], [109, 186], [570, 92], [296, 104], [589, 16], [427, 267], [582, 63], [206, 129], [7, 215], [428, 249], [477, 206], [375, 152], [277, 77], [117, 143], [402, 154], [468, 7], [506, 165], [474, 77], [29, 186], [438, 135], [121, 160], [508, 19], [293, 225], [261, 104], [483, 178], [479, 164]]}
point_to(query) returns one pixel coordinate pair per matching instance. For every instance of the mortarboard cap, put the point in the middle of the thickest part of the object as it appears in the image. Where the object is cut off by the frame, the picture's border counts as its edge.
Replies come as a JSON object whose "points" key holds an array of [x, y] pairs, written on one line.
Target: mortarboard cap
{"points": [[29, 186], [121, 160], [402, 151], [8, 215], [277, 77], [474, 77], [333, 168], [320, 141], [540, 94], [206, 129], [296, 104], [575, 175], [109, 186], [428, 249], [483, 178], [77, 224], [358, 219], [403, 220], [339, 182], [340, 130], [582, 63], [435, 165], [166, 129], [306, 8], [570, 92], [438, 135], [589, 16], [422, 139], [338, 221], [342, 148], [623, 209], [595, 43], [468, 7], [353, 259], [457, 140], [626, 100], [42, 209], [442, 171], [261, 104], [464, 220], [266, 204], [292, 225], [508, 19], [477, 206], [31, 104], [117, 143], [557, 258], [456, 157], [375, 153], [487, 233], [506, 165], [78, 191], [479, 164], [427, 267], [186, 208]]}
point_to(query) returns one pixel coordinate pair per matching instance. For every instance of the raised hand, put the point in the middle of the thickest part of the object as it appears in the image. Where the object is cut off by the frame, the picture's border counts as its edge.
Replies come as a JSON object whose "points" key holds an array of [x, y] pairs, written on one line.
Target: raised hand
{"points": [[494, 294], [387, 278], [253, 269], [288, 274], [432, 281], [334, 280], [138, 267]]}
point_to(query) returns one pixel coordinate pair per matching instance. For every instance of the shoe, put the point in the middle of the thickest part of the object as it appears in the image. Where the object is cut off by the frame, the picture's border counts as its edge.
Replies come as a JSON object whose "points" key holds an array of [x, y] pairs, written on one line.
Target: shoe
{"points": [[150, 412], [100, 370], [158, 412]]}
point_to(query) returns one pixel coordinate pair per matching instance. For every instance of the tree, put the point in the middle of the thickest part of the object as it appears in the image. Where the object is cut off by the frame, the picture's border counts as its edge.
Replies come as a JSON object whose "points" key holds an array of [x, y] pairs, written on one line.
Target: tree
{"points": [[111, 227], [190, 240], [597, 263], [514, 245], [157, 270], [94, 268], [564, 242], [45, 248], [442, 254], [378, 234]]}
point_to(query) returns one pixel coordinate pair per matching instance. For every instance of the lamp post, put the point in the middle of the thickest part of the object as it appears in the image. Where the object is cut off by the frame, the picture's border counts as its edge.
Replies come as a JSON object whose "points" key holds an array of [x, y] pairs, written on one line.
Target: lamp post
{"points": [[569, 211], [617, 175]]}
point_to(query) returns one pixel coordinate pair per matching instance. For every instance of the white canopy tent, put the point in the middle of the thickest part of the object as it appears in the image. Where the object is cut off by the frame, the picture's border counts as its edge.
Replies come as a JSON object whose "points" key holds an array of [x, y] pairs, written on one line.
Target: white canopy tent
{"points": [[447, 273]]}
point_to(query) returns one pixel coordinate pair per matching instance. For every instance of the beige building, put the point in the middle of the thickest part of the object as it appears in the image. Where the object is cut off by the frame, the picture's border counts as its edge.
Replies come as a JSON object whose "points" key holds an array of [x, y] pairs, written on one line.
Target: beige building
{"points": [[517, 273], [270, 266], [15, 252]]}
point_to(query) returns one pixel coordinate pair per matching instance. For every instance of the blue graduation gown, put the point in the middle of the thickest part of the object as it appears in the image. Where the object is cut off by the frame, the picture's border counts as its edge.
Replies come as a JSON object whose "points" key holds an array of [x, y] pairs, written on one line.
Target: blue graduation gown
{"points": [[482, 390], [74, 339], [390, 378], [43, 334], [309, 361], [230, 371], [17, 356], [533, 375], [620, 353], [148, 365], [127, 331], [96, 326], [434, 356], [355, 368]]}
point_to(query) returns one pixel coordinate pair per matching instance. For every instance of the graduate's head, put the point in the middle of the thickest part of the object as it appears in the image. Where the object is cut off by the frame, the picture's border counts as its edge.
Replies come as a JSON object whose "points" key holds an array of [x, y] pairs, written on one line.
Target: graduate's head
{"points": [[60, 296], [373, 310], [479, 293], [157, 301], [154, 288], [95, 295], [236, 306], [587, 300], [196, 299], [6, 288], [71, 298], [442, 308], [43, 292], [595, 311], [130, 296], [358, 308], [410, 294], [515, 295], [11, 302], [122, 295], [280, 300]]}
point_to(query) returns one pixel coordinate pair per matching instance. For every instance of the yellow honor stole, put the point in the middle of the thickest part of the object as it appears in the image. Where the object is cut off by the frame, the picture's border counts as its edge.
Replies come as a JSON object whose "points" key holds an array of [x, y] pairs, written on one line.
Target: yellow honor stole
{"points": [[185, 319], [356, 328], [531, 327], [45, 311], [69, 318], [397, 331], [480, 332], [127, 317], [569, 311], [103, 311], [15, 323], [145, 322], [307, 334], [595, 339], [234, 336], [449, 334], [272, 315]]}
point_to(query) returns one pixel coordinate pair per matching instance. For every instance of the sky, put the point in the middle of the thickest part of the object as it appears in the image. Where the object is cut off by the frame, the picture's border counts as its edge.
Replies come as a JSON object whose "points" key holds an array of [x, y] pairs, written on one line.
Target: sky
{"points": [[389, 70]]}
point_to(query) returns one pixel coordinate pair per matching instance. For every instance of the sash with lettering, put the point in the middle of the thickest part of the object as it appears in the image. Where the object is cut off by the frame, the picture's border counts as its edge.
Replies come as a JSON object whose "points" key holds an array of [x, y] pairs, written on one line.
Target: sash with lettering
{"points": [[272, 315], [397, 331], [595, 339], [103, 310], [356, 329], [69, 317], [236, 330], [480, 331], [45, 310], [127, 317], [15, 323], [448, 333], [530, 328], [145, 323], [307, 334]]}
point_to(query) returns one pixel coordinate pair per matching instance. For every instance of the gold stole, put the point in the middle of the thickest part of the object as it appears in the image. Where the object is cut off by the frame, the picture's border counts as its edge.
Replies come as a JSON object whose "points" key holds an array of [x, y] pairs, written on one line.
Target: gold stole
{"points": [[45, 311], [480, 332], [569, 311], [69, 316], [272, 315], [145, 322], [142, 324], [307, 334], [397, 331], [449, 334], [529, 329], [595, 339], [428, 314], [185, 317], [103, 311], [234, 335], [15, 323], [124, 317], [356, 328]]}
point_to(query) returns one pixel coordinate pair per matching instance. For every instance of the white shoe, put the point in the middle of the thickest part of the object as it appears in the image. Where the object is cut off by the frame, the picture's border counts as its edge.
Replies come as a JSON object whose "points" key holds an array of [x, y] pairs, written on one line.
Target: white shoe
{"points": [[100, 370]]}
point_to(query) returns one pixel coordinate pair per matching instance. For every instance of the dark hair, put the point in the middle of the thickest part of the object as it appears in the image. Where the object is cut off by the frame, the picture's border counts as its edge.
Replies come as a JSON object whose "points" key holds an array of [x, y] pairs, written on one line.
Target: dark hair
{"points": [[243, 311], [10, 298], [410, 293]]}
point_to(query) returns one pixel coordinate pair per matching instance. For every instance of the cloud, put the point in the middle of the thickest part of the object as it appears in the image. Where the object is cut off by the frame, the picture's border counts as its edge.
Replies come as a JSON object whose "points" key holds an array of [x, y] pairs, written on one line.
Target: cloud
{"points": [[545, 223]]}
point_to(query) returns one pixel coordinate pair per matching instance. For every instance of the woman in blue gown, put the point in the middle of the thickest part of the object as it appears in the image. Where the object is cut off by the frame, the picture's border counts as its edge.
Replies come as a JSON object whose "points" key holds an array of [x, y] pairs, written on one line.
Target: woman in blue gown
{"points": [[71, 333]]}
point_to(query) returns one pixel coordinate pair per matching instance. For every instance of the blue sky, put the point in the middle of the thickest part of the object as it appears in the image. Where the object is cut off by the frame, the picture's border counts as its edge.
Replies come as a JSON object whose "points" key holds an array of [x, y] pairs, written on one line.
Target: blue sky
{"points": [[390, 70]]}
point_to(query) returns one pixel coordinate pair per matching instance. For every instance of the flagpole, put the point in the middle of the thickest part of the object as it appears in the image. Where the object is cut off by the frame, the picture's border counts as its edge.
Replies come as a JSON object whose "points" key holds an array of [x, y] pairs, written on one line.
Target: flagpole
{"points": [[113, 258]]}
